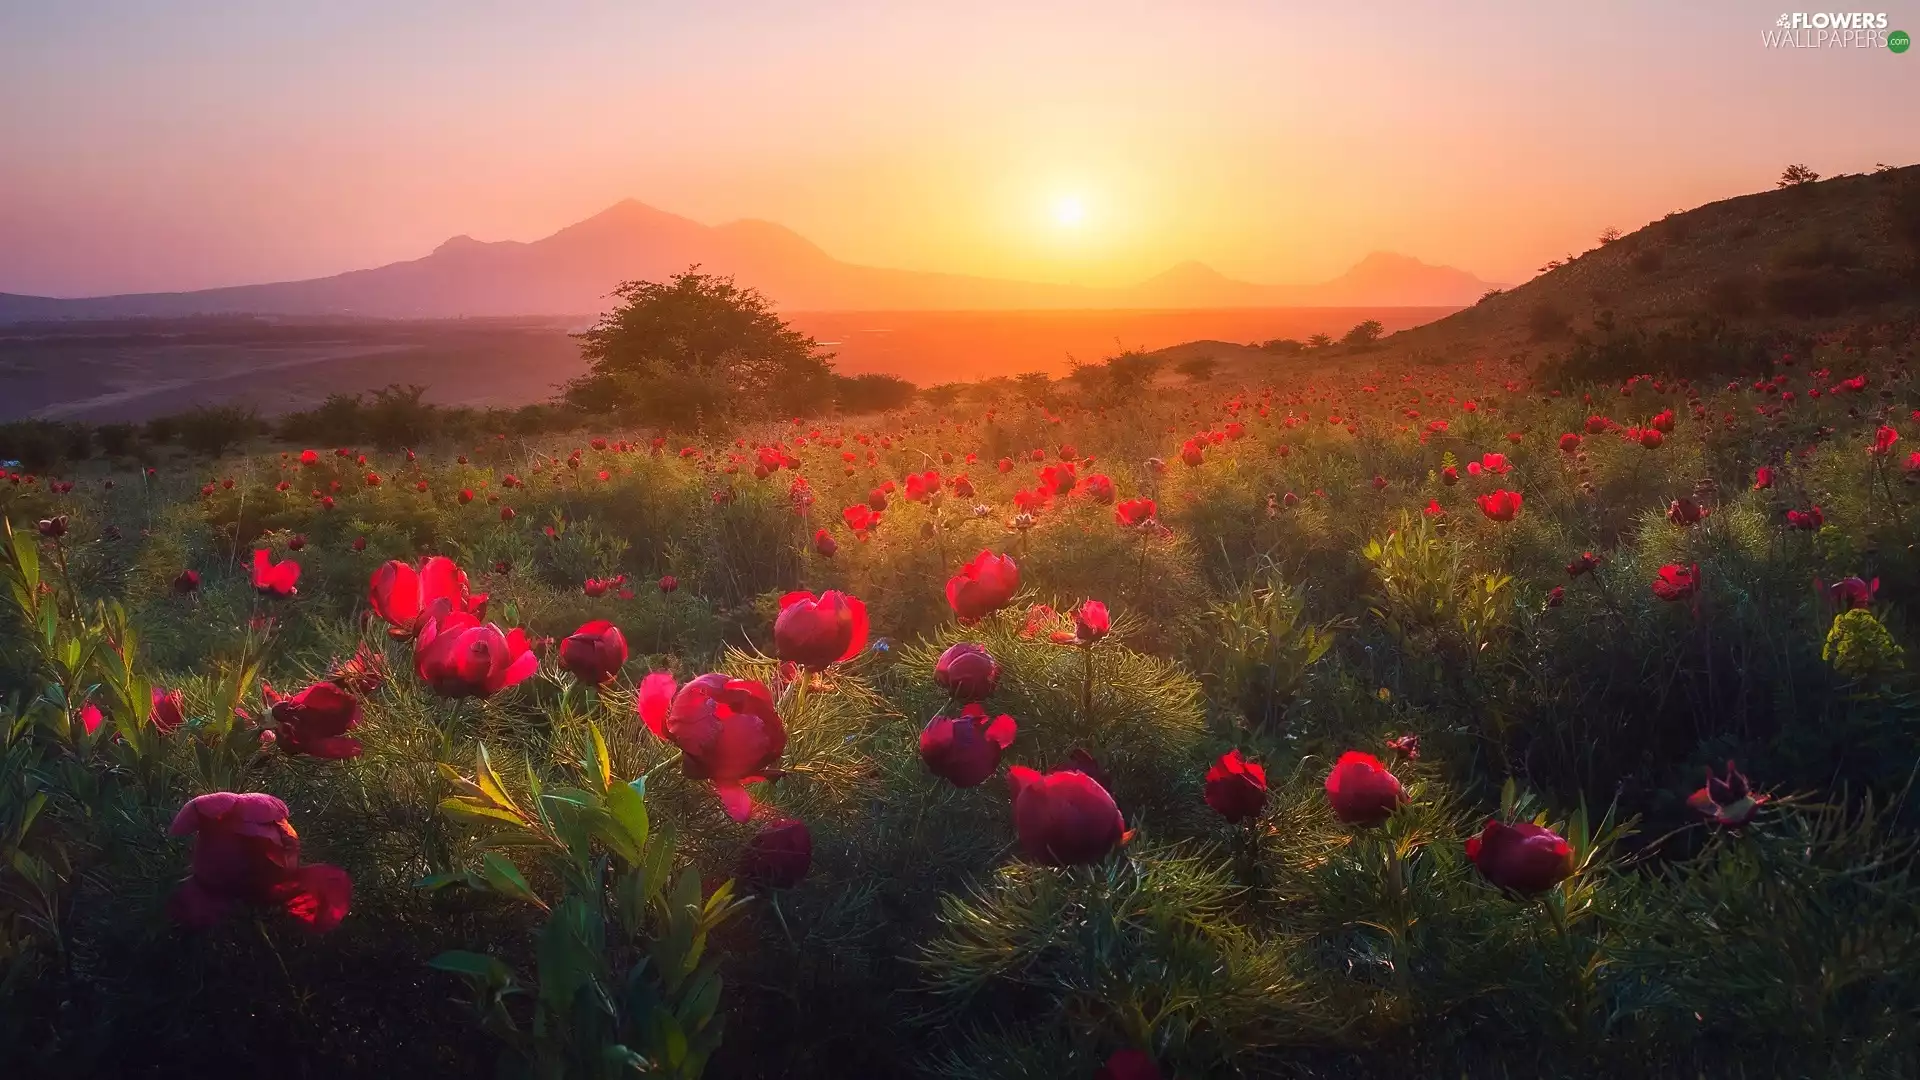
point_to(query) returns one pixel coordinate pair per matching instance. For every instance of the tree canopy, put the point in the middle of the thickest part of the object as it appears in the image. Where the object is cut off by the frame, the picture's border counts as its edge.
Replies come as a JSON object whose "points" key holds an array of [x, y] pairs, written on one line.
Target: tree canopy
{"points": [[695, 350]]}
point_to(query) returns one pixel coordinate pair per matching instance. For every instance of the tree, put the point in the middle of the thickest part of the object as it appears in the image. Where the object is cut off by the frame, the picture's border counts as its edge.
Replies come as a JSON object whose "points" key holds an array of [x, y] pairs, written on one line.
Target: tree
{"points": [[1795, 175], [1608, 235], [695, 350], [1283, 346], [1197, 368], [1365, 333], [1133, 368], [1319, 341]]}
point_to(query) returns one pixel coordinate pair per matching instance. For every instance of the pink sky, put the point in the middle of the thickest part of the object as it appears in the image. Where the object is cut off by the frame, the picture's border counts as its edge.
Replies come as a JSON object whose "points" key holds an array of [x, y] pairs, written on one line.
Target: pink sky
{"points": [[190, 144]]}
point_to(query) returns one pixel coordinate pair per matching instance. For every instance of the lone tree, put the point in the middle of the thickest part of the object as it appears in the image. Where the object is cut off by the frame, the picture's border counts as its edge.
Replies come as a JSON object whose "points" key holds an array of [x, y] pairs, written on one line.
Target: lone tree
{"points": [[1795, 175], [1365, 333], [1319, 341], [698, 350]]}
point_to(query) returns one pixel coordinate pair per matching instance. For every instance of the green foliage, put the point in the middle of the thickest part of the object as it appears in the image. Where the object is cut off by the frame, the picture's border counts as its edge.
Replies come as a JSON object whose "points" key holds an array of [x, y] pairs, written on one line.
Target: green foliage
{"points": [[698, 350], [1263, 649], [1859, 647], [623, 981]]}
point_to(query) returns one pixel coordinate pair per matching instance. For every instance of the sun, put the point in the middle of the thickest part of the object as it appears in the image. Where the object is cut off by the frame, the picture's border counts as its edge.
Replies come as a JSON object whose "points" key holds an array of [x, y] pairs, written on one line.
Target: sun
{"points": [[1069, 211]]}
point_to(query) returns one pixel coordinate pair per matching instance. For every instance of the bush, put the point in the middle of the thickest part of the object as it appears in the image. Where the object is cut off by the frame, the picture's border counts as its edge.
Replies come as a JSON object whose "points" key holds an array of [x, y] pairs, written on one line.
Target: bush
{"points": [[871, 393], [212, 430]]}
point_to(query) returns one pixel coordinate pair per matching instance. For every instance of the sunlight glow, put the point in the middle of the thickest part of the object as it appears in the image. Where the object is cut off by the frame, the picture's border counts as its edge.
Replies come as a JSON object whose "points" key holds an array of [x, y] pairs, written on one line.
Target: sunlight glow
{"points": [[1068, 210]]}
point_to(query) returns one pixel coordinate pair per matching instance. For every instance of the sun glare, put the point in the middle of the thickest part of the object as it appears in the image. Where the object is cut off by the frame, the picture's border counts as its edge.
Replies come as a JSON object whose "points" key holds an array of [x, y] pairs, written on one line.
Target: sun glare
{"points": [[1069, 210]]}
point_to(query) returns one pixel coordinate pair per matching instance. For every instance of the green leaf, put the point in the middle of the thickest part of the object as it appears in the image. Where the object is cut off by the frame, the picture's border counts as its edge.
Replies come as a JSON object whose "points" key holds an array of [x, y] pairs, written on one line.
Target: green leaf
{"points": [[602, 761], [436, 882], [490, 784], [629, 813], [473, 965], [504, 877], [460, 806]]}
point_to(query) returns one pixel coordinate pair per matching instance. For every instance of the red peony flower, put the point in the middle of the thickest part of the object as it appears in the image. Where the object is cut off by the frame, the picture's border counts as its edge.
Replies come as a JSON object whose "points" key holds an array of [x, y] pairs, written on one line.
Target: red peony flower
{"points": [[1809, 519], [405, 597], [824, 543], [964, 750], [1500, 505], [1883, 440], [1586, 562], [1134, 512], [779, 855], [245, 852], [1677, 582], [594, 653], [459, 656], [1064, 818], [1362, 791], [727, 730], [1762, 478], [1524, 858], [274, 579], [819, 632], [668, 583], [983, 586], [315, 721], [1685, 512], [1236, 788], [169, 710], [1128, 1065], [1570, 442], [1727, 801], [967, 672], [1091, 622], [187, 582]]}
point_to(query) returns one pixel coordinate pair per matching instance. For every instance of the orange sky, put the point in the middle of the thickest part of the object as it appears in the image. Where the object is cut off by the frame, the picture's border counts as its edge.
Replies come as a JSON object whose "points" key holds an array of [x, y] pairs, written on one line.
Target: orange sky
{"points": [[190, 144]]}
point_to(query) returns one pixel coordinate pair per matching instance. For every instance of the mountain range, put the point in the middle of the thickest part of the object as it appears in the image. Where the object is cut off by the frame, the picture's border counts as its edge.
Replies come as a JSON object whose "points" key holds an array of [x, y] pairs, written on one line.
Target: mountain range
{"points": [[571, 273]]}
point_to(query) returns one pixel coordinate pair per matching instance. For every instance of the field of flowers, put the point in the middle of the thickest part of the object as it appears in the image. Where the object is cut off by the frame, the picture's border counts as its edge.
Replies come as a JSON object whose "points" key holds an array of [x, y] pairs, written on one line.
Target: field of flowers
{"points": [[1409, 721]]}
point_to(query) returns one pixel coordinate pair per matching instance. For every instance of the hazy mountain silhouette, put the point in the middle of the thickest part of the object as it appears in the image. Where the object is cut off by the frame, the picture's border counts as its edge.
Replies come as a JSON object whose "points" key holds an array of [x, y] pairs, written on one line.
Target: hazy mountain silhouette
{"points": [[572, 272]]}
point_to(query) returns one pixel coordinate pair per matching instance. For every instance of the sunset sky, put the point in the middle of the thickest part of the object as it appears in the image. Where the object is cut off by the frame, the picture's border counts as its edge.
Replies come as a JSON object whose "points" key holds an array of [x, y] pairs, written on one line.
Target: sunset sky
{"points": [[150, 145]]}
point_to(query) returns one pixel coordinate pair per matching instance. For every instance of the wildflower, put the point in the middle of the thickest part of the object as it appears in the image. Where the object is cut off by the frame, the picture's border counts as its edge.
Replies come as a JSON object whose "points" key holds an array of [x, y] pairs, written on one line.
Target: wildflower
{"points": [[1569, 442], [168, 711], [824, 543], [1808, 520], [403, 595], [594, 653], [1129, 1064], [1685, 512], [964, 750], [274, 579], [983, 586], [459, 656], [1064, 818], [816, 632], [1677, 582], [1236, 788], [1586, 562], [362, 673], [1090, 622], [668, 583], [1134, 512], [779, 855], [1883, 440], [1763, 478], [315, 721], [1362, 791], [967, 671], [1524, 858], [1500, 505], [727, 730], [245, 852], [1407, 746], [1849, 593], [1098, 487], [1727, 801], [187, 582], [1449, 476]]}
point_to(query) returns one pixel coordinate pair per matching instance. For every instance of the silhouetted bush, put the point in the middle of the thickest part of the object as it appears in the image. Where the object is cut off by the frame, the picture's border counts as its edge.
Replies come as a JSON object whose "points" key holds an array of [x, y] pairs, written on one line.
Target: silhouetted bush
{"points": [[37, 445], [214, 429], [117, 440], [871, 393]]}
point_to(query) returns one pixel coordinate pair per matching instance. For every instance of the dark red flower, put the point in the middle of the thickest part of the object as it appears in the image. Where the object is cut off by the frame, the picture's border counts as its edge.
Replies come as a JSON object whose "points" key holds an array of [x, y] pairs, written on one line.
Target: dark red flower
{"points": [[1883, 440], [824, 543], [1584, 562], [315, 721], [1853, 592], [1677, 582], [1450, 476], [459, 656], [362, 673], [1064, 818], [1762, 478], [187, 582], [668, 583], [1808, 520], [1407, 746], [1727, 801], [816, 632], [274, 579], [727, 730], [1556, 596], [1525, 858], [1236, 788], [245, 852], [1685, 512], [594, 653], [779, 855], [1098, 487], [1129, 1065], [1362, 791], [983, 586], [967, 671], [1570, 442], [169, 710], [964, 750]]}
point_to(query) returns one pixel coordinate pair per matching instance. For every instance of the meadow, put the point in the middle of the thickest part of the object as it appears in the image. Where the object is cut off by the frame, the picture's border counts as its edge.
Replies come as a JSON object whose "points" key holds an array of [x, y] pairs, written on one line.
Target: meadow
{"points": [[1356, 719]]}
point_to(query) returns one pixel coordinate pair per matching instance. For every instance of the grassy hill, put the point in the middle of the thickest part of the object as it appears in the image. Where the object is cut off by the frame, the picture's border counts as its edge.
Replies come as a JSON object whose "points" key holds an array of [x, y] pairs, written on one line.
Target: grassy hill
{"points": [[1791, 262]]}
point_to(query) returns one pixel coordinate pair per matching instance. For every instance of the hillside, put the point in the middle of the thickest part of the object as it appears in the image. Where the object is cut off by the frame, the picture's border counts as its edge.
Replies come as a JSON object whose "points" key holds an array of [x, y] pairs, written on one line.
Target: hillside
{"points": [[1796, 259], [571, 273]]}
